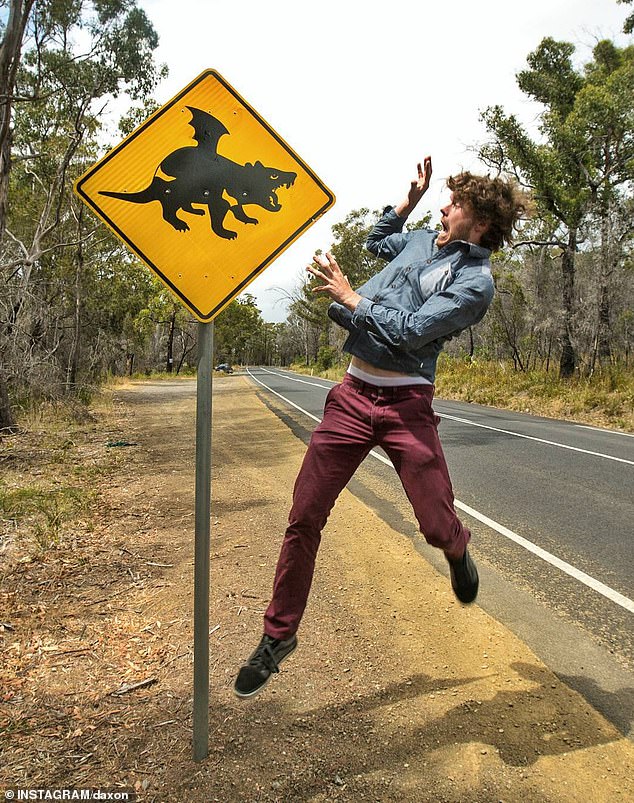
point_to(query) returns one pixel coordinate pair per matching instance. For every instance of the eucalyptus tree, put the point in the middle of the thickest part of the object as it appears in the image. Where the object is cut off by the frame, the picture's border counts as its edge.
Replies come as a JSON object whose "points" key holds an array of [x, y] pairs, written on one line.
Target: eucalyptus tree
{"points": [[164, 324], [74, 57], [603, 117], [580, 167], [550, 167]]}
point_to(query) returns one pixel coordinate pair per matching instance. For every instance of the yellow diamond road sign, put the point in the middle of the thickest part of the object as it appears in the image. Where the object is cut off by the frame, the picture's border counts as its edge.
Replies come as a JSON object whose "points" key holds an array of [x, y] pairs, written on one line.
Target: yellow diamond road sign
{"points": [[206, 193]]}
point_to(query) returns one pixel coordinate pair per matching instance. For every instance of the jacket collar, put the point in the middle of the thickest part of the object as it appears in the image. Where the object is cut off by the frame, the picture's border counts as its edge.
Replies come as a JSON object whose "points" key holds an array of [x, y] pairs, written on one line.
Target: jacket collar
{"points": [[471, 249]]}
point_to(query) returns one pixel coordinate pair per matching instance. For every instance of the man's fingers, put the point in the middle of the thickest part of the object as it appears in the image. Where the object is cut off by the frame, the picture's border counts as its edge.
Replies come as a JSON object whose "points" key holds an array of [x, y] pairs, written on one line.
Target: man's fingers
{"points": [[322, 261], [326, 262]]}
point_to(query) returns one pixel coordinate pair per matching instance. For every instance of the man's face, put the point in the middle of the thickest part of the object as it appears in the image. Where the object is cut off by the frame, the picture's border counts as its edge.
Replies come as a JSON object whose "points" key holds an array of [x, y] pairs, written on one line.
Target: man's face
{"points": [[458, 223]]}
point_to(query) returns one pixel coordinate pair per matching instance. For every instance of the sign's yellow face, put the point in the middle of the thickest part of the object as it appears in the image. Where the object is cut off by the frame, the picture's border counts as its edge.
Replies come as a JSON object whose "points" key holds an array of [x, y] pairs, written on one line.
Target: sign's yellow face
{"points": [[206, 193]]}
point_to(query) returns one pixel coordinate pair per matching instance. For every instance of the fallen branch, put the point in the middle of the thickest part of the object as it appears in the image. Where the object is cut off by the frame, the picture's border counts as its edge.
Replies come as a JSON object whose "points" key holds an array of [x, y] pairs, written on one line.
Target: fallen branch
{"points": [[70, 652], [176, 657], [128, 687]]}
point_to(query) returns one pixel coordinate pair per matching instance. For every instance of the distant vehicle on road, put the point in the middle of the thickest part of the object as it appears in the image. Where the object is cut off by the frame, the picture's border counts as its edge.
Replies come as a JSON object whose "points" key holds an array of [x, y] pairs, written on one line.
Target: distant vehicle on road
{"points": [[223, 366]]}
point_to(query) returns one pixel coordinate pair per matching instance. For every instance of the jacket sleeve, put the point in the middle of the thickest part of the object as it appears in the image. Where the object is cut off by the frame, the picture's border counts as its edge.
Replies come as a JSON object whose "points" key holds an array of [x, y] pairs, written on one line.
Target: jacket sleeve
{"points": [[341, 315], [386, 240], [462, 304]]}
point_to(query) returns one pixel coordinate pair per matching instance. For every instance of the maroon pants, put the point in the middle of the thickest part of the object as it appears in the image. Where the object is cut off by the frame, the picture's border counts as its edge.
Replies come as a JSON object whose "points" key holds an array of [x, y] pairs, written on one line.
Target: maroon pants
{"points": [[357, 417]]}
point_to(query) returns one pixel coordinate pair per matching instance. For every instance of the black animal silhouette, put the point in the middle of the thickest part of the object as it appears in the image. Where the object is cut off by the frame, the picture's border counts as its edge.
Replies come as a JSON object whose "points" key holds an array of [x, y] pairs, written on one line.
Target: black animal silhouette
{"points": [[197, 174]]}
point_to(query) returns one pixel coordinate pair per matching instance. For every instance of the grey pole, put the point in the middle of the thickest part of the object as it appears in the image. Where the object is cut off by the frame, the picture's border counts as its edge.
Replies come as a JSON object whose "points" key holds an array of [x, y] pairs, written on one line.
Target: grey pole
{"points": [[201, 543]]}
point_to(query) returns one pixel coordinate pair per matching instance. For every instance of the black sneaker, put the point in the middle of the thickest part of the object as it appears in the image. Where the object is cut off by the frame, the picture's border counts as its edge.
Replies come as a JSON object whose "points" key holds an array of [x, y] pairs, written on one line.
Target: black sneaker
{"points": [[464, 578], [266, 659]]}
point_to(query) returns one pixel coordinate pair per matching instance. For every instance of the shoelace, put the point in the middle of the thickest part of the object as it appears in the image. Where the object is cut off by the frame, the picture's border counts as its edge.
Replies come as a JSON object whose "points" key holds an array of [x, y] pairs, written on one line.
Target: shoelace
{"points": [[265, 658]]}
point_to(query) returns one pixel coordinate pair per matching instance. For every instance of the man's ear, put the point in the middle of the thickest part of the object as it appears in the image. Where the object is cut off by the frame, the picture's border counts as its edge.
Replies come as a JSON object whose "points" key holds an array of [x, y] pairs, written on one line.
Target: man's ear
{"points": [[480, 228]]}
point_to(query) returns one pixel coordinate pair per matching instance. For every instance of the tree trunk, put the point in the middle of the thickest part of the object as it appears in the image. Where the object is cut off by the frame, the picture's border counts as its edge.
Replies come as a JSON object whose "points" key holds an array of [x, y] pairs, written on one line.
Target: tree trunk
{"points": [[73, 358], [170, 342], [7, 421], [10, 51], [603, 349], [568, 358]]}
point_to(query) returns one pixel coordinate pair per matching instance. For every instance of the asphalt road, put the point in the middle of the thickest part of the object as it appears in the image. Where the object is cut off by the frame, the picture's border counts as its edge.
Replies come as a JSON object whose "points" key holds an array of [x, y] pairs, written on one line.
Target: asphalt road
{"points": [[550, 505]]}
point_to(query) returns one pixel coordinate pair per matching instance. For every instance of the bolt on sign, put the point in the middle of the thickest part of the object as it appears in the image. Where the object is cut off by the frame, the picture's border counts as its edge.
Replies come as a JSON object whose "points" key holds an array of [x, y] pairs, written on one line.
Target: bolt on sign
{"points": [[206, 193]]}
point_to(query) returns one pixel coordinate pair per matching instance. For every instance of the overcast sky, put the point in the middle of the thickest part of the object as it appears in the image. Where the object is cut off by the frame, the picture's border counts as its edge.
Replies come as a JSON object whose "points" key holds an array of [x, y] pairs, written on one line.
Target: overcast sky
{"points": [[362, 90]]}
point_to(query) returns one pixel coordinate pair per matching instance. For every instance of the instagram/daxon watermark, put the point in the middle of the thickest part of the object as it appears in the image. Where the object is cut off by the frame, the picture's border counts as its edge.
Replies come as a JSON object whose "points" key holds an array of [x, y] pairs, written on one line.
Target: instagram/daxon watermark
{"points": [[70, 794]]}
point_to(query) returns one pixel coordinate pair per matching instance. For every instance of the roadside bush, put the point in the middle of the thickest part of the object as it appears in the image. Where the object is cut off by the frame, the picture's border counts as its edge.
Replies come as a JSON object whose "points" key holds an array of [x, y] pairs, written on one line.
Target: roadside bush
{"points": [[326, 358]]}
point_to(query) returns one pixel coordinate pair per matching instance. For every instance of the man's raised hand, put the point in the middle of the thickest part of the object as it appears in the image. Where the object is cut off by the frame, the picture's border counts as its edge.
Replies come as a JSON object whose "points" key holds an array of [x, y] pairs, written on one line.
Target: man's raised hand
{"points": [[420, 186], [417, 189], [335, 284]]}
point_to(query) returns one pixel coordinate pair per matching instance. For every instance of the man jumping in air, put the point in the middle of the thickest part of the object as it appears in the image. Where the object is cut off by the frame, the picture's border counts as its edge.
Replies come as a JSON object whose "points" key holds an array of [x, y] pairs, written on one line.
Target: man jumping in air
{"points": [[435, 285]]}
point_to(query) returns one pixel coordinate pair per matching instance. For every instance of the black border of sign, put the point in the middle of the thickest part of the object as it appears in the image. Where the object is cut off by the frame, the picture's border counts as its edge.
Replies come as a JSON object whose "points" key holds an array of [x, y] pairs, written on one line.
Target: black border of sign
{"points": [[201, 316]]}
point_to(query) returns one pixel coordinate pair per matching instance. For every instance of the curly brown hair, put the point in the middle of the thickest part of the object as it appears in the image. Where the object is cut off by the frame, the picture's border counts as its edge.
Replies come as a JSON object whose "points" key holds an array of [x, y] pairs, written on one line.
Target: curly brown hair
{"points": [[496, 201]]}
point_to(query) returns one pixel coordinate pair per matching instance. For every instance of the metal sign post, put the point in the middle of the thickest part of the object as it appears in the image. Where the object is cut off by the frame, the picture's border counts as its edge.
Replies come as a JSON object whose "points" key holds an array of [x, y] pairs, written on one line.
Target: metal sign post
{"points": [[202, 537]]}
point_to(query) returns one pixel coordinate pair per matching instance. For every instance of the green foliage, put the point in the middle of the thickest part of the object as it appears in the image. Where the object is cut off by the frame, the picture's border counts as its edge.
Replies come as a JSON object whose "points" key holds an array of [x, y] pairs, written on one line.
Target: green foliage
{"points": [[73, 301], [240, 334], [136, 115], [326, 358], [78, 307], [586, 123], [116, 56]]}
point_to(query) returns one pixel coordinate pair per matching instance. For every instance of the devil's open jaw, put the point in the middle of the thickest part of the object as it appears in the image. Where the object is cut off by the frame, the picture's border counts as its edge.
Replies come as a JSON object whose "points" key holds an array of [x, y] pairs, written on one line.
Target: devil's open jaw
{"points": [[273, 204]]}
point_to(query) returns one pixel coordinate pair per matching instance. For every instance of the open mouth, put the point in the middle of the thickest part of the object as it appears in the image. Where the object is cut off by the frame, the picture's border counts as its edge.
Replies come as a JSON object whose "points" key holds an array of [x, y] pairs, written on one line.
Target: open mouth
{"points": [[274, 205]]}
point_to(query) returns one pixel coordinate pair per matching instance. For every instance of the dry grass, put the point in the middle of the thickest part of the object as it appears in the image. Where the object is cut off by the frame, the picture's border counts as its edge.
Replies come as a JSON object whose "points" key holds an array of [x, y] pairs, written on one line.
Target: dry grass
{"points": [[606, 399]]}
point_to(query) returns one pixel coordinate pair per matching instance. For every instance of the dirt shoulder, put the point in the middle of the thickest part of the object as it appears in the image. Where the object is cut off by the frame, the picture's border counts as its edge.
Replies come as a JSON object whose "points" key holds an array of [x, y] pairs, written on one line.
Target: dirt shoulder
{"points": [[396, 693]]}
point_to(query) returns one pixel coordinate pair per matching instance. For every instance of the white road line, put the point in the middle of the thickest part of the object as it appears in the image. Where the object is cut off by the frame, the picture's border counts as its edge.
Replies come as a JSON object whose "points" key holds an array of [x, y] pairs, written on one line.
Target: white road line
{"points": [[584, 578], [288, 401], [539, 440], [606, 431], [577, 574], [296, 379]]}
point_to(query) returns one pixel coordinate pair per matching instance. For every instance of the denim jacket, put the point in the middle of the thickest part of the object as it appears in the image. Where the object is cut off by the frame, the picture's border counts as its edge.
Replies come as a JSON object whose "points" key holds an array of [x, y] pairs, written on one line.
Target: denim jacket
{"points": [[422, 298]]}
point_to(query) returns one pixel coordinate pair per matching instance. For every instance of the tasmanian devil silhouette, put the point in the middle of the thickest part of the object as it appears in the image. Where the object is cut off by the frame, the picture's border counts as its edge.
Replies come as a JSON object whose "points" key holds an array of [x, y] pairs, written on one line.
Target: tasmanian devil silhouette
{"points": [[197, 174]]}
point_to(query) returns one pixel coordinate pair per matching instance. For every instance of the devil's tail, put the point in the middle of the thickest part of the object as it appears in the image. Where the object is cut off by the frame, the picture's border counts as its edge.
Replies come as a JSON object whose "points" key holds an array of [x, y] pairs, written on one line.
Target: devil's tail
{"points": [[151, 193]]}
